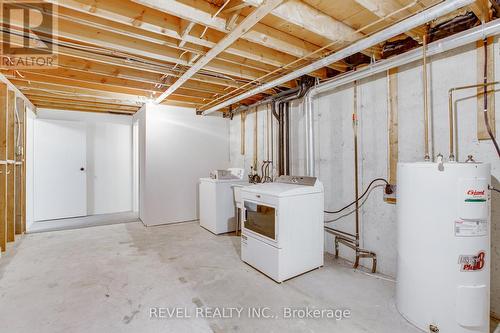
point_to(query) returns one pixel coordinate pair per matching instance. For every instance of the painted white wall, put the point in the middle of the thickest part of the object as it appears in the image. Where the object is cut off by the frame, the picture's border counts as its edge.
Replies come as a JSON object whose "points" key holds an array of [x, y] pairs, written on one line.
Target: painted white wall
{"points": [[140, 120], [334, 146], [177, 148], [30, 144], [109, 159]]}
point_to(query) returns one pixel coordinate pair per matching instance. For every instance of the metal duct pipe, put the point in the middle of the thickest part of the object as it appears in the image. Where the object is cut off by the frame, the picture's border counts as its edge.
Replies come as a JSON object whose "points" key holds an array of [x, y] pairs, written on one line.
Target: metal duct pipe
{"points": [[287, 138], [283, 134], [449, 43], [414, 21], [310, 154], [267, 100]]}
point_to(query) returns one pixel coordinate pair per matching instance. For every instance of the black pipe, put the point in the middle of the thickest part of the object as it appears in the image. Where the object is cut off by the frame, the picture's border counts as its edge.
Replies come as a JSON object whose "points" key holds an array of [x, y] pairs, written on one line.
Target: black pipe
{"points": [[485, 99], [287, 138], [281, 141]]}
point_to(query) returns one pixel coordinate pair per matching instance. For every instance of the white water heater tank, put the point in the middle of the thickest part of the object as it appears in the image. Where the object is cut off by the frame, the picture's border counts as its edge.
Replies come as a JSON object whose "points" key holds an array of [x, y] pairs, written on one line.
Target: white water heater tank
{"points": [[443, 274]]}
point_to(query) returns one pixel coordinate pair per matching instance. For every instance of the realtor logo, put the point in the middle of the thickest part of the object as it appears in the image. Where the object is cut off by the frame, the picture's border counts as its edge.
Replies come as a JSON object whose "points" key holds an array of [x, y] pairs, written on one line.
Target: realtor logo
{"points": [[28, 38]]}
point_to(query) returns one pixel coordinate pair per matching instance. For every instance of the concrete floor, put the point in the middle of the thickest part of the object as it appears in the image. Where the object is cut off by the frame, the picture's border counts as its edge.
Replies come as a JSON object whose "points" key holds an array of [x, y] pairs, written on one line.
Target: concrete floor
{"points": [[83, 222], [106, 279]]}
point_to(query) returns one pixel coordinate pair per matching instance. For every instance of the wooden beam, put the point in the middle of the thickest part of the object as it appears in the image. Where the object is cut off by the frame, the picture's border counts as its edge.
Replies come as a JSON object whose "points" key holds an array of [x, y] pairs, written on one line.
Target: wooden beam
{"points": [[24, 193], [108, 12], [94, 60], [64, 86], [71, 107], [201, 12], [235, 8], [309, 18], [3, 166], [236, 33], [305, 16], [392, 115], [80, 108], [79, 81], [253, 61], [26, 86], [98, 87], [482, 132], [37, 100], [11, 186], [190, 88], [256, 54], [34, 93], [186, 27], [18, 170], [103, 38], [382, 8], [481, 9]]}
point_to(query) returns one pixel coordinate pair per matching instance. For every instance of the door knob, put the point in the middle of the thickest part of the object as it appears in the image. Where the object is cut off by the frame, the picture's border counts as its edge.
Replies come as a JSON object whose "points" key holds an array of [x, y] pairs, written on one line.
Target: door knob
{"points": [[82, 169]]}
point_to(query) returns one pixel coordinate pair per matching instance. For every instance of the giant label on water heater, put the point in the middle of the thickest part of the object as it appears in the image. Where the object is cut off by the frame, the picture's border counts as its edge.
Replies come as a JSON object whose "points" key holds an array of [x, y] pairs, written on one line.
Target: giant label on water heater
{"points": [[473, 198], [472, 207]]}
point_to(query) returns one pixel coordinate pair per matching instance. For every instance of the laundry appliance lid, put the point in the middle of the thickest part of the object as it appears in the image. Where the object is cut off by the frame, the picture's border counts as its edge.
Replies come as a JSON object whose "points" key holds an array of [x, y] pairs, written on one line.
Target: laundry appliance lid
{"points": [[234, 181], [283, 190]]}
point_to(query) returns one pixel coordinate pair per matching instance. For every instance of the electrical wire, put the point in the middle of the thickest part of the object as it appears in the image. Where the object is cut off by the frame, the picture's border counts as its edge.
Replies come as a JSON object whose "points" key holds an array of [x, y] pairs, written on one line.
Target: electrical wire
{"points": [[361, 197], [494, 189]]}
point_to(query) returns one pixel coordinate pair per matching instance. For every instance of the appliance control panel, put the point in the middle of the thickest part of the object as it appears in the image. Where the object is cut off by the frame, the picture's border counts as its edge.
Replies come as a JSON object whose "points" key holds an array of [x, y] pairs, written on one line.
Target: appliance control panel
{"points": [[297, 180]]}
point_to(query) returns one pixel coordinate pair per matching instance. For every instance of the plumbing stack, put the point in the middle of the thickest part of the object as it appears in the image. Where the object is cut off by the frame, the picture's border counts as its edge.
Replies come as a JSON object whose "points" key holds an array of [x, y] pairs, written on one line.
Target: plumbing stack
{"points": [[280, 110]]}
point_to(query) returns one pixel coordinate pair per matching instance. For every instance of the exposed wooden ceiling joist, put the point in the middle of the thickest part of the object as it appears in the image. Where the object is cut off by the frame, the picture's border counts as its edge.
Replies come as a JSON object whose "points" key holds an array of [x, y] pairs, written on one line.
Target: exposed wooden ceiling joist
{"points": [[118, 54], [247, 23], [384, 8], [313, 20]]}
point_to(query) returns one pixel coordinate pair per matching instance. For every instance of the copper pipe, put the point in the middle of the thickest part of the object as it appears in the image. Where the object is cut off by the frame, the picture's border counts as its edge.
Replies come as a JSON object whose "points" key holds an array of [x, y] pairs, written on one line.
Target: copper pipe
{"points": [[255, 142], [243, 117], [340, 232], [426, 101], [342, 237], [451, 114], [356, 167], [287, 138]]}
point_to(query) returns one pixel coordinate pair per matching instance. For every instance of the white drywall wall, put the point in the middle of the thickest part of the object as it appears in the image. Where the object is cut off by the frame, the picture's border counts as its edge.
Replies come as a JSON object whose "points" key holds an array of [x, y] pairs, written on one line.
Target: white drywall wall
{"points": [[30, 144], [140, 120], [334, 146], [177, 148], [109, 159]]}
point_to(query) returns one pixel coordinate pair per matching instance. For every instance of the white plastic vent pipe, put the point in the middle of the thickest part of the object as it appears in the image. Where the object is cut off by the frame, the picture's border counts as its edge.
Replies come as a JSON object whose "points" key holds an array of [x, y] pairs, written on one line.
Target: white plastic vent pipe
{"points": [[491, 28], [414, 21]]}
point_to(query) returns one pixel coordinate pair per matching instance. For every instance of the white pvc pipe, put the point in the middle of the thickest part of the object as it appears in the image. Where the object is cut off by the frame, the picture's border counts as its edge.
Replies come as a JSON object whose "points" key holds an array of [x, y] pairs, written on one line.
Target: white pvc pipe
{"points": [[414, 21], [463, 38]]}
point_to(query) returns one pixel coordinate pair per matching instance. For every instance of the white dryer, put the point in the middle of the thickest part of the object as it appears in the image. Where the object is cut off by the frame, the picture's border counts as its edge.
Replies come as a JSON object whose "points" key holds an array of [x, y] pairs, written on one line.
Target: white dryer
{"points": [[282, 233]]}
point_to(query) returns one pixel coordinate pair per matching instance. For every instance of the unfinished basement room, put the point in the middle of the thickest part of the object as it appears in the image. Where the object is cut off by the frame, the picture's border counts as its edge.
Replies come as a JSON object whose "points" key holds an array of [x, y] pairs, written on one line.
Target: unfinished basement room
{"points": [[180, 166]]}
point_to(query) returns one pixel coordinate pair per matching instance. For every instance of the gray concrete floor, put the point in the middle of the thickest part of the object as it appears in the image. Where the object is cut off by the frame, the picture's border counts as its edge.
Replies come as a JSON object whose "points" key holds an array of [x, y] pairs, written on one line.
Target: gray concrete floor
{"points": [[83, 222], [107, 278]]}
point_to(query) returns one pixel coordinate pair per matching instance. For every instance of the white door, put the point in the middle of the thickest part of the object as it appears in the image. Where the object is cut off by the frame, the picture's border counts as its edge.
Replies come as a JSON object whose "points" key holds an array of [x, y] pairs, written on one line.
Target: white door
{"points": [[60, 181]]}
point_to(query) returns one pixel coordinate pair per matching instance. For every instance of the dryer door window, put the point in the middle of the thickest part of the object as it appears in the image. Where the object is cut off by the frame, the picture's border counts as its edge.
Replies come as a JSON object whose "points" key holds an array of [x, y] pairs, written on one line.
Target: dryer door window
{"points": [[261, 219]]}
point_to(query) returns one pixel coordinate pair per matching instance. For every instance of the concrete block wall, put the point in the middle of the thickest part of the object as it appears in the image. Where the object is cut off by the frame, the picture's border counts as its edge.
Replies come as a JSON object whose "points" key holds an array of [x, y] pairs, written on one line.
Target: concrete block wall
{"points": [[334, 146]]}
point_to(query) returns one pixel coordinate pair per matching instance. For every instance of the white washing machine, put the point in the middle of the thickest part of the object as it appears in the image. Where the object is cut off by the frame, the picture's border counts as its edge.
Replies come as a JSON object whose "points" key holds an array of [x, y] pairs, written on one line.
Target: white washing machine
{"points": [[217, 206], [282, 232]]}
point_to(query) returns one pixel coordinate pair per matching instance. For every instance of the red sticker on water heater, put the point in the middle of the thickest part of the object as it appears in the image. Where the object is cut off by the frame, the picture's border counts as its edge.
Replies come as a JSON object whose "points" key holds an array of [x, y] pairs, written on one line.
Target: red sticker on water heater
{"points": [[470, 263]]}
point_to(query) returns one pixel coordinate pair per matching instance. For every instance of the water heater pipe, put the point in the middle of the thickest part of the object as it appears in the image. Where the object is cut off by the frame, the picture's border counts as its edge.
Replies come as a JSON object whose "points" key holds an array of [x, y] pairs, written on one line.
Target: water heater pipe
{"points": [[451, 119], [427, 156]]}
